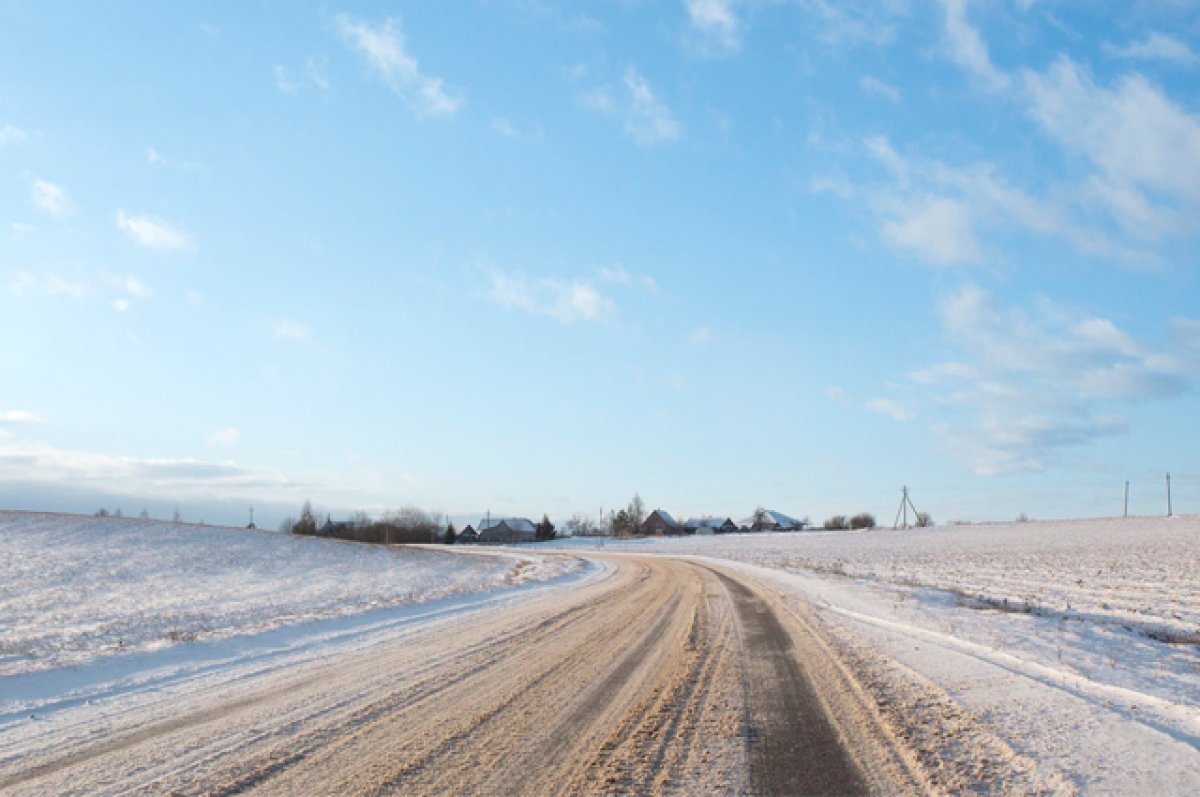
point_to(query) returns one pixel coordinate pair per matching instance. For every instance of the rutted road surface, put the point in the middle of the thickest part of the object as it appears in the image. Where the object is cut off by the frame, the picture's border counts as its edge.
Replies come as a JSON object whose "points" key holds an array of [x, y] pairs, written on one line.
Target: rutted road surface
{"points": [[666, 677]]}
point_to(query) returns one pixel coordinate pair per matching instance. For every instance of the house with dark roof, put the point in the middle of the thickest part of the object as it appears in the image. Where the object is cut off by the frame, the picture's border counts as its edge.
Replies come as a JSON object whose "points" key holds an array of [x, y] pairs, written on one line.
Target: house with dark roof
{"points": [[709, 525], [468, 535], [660, 522], [770, 520], [507, 530]]}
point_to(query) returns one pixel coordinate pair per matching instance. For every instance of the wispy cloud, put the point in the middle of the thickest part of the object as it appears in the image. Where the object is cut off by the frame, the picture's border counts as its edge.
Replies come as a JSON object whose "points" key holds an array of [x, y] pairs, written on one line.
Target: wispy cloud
{"points": [[937, 229], [717, 23], [130, 284], [226, 436], [619, 275], [1156, 47], [159, 161], [852, 23], [19, 418], [170, 478], [10, 135], [502, 126], [1026, 386], [51, 199], [286, 329], [891, 409], [1145, 148], [942, 212], [284, 80], [25, 283], [59, 286], [645, 118], [877, 88], [152, 232], [563, 299], [701, 335], [386, 53], [966, 48], [315, 75]]}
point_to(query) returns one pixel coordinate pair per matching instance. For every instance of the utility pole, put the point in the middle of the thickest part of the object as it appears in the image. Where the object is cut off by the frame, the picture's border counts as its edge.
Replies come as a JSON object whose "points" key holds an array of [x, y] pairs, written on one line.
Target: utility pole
{"points": [[1168, 495], [1127, 498], [905, 503]]}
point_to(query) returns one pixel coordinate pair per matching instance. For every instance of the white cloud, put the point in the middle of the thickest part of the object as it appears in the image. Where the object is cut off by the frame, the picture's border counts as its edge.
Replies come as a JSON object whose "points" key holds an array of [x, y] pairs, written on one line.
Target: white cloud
{"points": [[503, 127], [159, 161], [49, 198], [58, 286], [1140, 141], [716, 22], [290, 330], [645, 118], [889, 408], [227, 436], [25, 283], [317, 70], [938, 230], [284, 80], [10, 135], [938, 210], [152, 232], [877, 88], [1156, 47], [19, 417], [384, 49], [851, 23], [194, 298], [22, 283], [120, 305], [1028, 385], [170, 478], [701, 335], [618, 275], [565, 300], [966, 47], [130, 284]]}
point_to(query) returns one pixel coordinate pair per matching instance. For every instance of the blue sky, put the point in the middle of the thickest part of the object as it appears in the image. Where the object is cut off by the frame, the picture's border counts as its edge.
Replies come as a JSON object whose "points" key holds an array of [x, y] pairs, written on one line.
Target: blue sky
{"points": [[532, 256]]}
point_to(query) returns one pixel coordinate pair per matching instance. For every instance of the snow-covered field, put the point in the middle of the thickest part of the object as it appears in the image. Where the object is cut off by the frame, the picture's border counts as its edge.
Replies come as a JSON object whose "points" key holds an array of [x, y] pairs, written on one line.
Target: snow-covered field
{"points": [[1076, 644], [75, 588]]}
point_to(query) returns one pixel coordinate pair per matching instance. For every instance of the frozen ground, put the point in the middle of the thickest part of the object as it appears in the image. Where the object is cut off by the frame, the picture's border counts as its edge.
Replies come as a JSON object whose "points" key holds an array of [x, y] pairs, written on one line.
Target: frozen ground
{"points": [[74, 589], [1071, 645]]}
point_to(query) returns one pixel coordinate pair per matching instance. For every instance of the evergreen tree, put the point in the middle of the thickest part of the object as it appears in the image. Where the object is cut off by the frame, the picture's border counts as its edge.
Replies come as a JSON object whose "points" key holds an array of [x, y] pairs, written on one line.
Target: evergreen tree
{"points": [[545, 529], [307, 524]]}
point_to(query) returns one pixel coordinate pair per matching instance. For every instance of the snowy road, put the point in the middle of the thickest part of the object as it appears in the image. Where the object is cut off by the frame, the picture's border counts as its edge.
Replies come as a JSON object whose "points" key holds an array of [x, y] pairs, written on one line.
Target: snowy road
{"points": [[653, 675]]}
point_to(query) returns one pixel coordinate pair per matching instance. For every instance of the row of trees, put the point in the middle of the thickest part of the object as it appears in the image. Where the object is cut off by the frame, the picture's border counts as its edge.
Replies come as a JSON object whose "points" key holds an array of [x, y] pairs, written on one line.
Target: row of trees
{"points": [[406, 525], [865, 520]]}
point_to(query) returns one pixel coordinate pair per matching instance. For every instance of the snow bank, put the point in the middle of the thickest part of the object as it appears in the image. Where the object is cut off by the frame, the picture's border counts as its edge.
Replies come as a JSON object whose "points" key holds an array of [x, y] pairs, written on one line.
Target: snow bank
{"points": [[74, 588]]}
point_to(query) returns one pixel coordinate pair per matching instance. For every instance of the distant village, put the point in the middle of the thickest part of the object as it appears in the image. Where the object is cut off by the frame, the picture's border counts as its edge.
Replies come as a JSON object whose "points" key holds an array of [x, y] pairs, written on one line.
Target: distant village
{"points": [[659, 522], [411, 525]]}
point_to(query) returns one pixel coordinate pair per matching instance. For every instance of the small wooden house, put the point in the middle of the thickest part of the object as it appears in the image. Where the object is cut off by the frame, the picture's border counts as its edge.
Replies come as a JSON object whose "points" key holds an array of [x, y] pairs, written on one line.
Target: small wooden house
{"points": [[660, 522], [468, 535]]}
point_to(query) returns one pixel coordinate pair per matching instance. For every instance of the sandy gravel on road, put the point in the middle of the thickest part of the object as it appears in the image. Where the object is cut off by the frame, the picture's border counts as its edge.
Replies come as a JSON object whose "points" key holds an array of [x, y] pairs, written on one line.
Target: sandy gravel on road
{"points": [[667, 677]]}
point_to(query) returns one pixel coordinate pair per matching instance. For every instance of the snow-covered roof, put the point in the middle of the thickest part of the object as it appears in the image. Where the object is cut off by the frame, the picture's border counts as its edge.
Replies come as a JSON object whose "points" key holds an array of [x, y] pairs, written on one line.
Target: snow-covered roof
{"points": [[514, 523], [709, 522], [773, 517], [665, 515]]}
